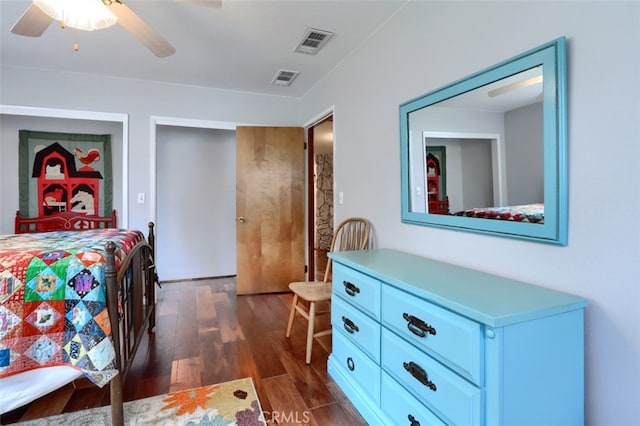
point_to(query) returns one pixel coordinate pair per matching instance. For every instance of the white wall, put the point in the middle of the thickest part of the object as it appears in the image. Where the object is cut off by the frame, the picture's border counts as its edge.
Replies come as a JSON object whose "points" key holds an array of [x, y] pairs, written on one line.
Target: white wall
{"points": [[141, 100], [429, 44], [477, 178], [10, 125]]}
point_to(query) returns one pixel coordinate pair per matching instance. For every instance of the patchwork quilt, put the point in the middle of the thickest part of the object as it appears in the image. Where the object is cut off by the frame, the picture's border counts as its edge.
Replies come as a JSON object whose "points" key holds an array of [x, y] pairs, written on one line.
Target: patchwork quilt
{"points": [[533, 213], [53, 307]]}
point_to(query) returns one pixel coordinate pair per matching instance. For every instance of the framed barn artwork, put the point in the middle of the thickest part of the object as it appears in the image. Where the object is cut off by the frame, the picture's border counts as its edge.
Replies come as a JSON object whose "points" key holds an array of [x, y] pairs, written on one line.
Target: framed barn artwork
{"points": [[435, 166], [61, 172]]}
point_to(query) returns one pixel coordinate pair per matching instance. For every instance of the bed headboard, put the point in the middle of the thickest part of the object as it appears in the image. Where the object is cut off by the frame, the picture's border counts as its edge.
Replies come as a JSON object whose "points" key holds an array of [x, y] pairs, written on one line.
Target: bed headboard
{"points": [[64, 221]]}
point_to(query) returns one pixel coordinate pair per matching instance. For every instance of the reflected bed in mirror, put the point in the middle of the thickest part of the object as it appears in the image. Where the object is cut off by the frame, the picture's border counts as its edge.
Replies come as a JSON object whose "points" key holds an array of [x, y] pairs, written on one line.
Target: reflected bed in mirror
{"points": [[487, 153]]}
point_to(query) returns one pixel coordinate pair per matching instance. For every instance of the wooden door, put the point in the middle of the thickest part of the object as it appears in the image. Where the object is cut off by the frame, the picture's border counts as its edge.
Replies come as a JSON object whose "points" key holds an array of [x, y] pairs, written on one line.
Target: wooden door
{"points": [[269, 208]]}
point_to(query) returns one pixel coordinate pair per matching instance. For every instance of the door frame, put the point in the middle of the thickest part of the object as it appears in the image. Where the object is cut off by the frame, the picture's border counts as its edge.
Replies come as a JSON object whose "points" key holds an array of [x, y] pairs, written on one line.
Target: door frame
{"points": [[310, 184], [156, 121]]}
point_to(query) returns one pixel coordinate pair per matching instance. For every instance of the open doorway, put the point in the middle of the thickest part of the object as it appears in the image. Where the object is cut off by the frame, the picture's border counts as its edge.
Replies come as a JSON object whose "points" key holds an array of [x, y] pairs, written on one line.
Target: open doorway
{"points": [[193, 169], [320, 196], [195, 202]]}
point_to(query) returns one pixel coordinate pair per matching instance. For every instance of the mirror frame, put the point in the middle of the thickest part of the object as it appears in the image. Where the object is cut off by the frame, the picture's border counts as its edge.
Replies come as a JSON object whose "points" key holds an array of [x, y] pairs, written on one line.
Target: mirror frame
{"points": [[552, 57]]}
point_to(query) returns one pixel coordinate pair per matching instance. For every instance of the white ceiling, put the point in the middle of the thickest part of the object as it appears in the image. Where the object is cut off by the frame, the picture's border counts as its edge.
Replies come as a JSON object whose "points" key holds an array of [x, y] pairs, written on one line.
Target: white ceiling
{"points": [[514, 96], [240, 46]]}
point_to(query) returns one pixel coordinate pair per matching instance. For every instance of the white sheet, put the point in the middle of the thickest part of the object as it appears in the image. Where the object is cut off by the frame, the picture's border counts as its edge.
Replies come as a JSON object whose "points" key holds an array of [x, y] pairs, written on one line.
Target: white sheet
{"points": [[20, 389]]}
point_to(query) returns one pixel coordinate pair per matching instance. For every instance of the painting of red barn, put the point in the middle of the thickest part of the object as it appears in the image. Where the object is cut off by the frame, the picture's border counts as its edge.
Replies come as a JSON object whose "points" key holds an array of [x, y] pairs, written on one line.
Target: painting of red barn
{"points": [[62, 172]]}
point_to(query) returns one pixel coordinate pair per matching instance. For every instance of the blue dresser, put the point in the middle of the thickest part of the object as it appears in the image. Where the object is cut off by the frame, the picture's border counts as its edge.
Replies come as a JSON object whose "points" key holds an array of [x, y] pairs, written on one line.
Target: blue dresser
{"points": [[422, 342]]}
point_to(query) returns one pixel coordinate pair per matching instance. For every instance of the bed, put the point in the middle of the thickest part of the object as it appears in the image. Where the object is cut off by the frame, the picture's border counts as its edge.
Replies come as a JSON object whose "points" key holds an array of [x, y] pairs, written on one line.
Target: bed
{"points": [[73, 303], [64, 221], [532, 213]]}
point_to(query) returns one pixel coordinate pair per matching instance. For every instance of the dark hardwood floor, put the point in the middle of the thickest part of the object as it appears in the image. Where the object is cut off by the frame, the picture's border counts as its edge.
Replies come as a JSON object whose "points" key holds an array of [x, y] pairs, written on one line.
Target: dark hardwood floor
{"points": [[206, 334]]}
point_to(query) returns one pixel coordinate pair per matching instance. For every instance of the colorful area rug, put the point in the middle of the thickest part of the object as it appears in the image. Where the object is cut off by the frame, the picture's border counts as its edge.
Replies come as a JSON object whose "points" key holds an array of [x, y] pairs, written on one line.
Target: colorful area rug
{"points": [[228, 403]]}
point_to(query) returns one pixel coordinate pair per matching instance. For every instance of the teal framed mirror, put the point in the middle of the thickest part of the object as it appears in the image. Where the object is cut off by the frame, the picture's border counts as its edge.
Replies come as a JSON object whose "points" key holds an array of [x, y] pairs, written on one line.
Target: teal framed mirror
{"points": [[488, 153]]}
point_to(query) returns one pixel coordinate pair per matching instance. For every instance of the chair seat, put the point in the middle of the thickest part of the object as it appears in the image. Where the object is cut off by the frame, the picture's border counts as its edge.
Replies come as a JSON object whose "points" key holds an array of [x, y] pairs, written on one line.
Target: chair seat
{"points": [[351, 234], [312, 291]]}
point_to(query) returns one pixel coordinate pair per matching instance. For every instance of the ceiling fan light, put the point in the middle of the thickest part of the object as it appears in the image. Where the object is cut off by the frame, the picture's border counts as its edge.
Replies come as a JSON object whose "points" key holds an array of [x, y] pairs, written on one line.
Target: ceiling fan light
{"points": [[514, 86], [85, 15]]}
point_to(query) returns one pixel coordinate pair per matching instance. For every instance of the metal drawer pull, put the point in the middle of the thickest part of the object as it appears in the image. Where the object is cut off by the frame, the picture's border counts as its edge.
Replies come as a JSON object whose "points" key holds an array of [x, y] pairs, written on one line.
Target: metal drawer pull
{"points": [[350, 288], [419, 374], [417, 326], [350, 364], [413, 421], [349, 325]]}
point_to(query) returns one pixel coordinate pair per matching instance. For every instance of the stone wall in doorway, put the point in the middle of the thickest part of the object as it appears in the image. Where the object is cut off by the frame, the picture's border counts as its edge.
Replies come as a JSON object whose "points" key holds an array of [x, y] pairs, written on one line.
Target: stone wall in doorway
{"points": [[324, 200]]}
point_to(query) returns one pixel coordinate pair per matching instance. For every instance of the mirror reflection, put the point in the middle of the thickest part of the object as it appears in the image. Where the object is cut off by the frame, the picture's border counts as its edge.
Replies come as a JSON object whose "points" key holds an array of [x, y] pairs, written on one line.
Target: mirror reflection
{"points": [[487, 153], [480, 154]]}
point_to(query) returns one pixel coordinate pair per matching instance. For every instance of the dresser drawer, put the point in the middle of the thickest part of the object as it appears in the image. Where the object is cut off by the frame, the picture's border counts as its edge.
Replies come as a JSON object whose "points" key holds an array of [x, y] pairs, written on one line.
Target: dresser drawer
{"points": [[357, 366], [443, 391], [357, 327], [402, 408], [451, 338], [358, 289]]}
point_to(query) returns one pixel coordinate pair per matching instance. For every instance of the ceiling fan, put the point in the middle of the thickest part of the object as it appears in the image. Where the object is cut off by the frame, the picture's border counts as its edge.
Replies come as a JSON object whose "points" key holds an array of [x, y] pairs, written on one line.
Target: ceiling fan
{"points": [[38, 16]]}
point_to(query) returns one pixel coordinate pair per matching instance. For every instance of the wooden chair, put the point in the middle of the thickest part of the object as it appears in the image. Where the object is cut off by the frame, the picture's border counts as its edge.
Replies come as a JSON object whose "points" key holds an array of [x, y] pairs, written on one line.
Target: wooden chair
{"points": [[351, 234]]}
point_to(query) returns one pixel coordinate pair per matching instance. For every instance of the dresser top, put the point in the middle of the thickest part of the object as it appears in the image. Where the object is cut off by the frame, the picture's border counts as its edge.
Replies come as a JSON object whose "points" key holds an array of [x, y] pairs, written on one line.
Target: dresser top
{"points": [[490, 299]]}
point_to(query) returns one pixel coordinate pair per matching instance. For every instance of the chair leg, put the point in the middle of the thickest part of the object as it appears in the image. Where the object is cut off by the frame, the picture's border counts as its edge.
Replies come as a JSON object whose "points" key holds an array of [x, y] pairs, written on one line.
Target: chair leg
{"points": [[292, 315], [310, 330]]}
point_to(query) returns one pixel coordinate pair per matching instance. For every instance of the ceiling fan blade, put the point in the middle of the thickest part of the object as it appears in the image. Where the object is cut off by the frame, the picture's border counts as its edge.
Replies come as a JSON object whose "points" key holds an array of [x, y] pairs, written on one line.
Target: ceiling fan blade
{"points": [[140, 30], [214, 4], [32, 23]]}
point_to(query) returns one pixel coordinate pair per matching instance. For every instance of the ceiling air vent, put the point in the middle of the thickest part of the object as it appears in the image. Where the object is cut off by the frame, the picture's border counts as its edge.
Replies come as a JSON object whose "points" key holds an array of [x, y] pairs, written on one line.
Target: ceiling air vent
{"points": [[284, 77], [312, 41]]}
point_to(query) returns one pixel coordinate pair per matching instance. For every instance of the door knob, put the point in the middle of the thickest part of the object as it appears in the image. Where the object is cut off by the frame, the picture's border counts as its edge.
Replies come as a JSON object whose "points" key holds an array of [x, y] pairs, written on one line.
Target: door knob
{"points": [[241, 219]]}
